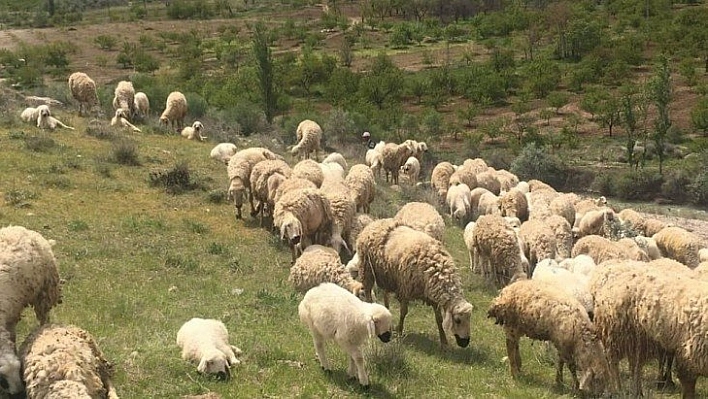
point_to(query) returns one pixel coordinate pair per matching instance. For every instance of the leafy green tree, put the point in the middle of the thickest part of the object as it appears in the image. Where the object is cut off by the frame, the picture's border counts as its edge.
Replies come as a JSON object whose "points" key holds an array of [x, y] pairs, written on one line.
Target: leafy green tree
{"points": [[660, 92], [382, 84], [468, 114], [609, 112], [557, 99], [630, 117], [265, 70], [699, 116], [341, 86], [542, 76]]}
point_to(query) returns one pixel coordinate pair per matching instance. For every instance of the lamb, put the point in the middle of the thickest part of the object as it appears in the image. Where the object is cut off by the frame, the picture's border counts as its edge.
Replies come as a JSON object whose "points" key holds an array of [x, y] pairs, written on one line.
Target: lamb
{"points": [[362, 185], [141, 103], [679, 244], [120, 119], [394, 156], [310, 170], [459, 202], [206, 341], [513, 203], [336, 158], [496, 251], [304, 217], [223, 152], [309, 135], [65, 362], [423, 217], [332, 313], [440, 178], [175, 110], [414, 266], [600, 249], [317, 265], [260, 173], [541, 311], [83, 89], [28, 276], [124, 97], [539, 242], [239, 173], [411, 169], [469, 243], [29, 115], [194, 132], [45, 120]]}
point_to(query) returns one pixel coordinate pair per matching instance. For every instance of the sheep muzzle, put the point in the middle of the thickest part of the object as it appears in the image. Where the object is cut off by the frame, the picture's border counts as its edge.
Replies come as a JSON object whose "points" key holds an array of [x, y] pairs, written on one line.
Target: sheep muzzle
{"points": [[385, 337], [224, 375], [462, 342], [295, 240]]}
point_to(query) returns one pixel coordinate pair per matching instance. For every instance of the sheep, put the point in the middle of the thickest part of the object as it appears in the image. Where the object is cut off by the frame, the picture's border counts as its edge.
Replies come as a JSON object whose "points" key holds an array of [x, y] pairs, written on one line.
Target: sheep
{"points": [[394, 156], [83, 89], [633, 220], [360, 221], [29, 115], [414, 266], [374, 160], [259, 184], [507, 180], [459, 202], [594, 222], [679, 244], [141, 103], [304, 217], [476, 165], [539, 242], [309, 135], [286, 185], [440, 178], [562, 205], [310, 170], [332, 313], [489, 181], [653, 226], [45, 120], [194, 132], [541, 311], [411, 169], [332, 172], [206, 341], [124, 97], [581, 264], [65, 362], [336, 158], [573, 284], [600, 249], [586, 205], [120, 119], [537, 185], [28, 276], [523, 187], [239, 173], [496, 251], [362, 185], [319, 264], [467, 235], [175, 110], [223, 152], [513, 203], [343, 207], [423, 217], [463, 175], [539, 202], [563, 233], [475, 195], [488, 204]]}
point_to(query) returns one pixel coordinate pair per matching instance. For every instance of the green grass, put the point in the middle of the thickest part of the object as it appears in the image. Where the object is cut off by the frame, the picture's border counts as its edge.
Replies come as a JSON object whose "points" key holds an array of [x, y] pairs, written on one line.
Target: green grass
{"points": [[139, 262]]}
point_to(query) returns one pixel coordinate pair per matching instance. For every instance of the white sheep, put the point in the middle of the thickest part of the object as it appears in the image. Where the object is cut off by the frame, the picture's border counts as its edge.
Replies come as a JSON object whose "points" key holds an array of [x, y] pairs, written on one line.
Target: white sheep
{"points": [[394, 156], [319, 264], [581, 264], [414, 266], [513, 203], [309, 169], [83, 89], [65, 362], [332, 172], [594, 222], [374, 160], [488, 180], [206, 341], [538, 242], [332, 313], [681, 245], [488, 204], [422, 217], [194, 132], [440, 178], [362, 184], [496, 251], [124, 97], [600, 249], [411, 169], [309, 135], [278, 186], [29, 115], [260, 173], [239, 173], [464, 175], [343, 206], [222, 152], [573, 284], [120, 119], [563, 233], [336, 158], [28, 276], [459, 202], [45, 120], [141, 103], [175, 110]]}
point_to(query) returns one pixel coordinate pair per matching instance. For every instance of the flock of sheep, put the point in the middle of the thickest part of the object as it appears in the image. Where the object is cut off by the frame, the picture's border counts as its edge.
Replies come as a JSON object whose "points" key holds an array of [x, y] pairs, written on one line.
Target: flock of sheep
{"points": [[562, 277]]}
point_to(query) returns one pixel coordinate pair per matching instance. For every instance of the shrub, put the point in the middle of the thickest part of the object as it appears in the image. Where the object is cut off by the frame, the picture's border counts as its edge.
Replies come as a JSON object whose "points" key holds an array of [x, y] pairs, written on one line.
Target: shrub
{"points": [[536, 163], [676, 185], [175, 181], [125, 152], [699, 189], [100, 130], [39, 144], [197, 105], [106, 42], [19, 198], [637, 185], [603, 184]]}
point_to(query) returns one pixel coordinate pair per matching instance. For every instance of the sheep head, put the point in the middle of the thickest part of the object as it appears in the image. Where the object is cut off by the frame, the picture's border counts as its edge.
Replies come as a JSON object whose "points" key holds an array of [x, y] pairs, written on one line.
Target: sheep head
{"points": [[10, 369], [380, 323], [237, 191], [291, 229], [164, 121], [591, 359], [456, 321], [215, 362], [43, 111]]}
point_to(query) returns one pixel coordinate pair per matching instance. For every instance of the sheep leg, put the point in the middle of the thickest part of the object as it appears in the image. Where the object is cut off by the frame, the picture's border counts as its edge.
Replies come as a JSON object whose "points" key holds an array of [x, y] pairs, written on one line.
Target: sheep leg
{"points": [[320, 349], [574, 374], [665, 380], [250, 200], [512, 352], [559, 371], [403, 313], [238, 212], [438, 321], [386, 299], [358, 358], [635, 367], [688, 382]]}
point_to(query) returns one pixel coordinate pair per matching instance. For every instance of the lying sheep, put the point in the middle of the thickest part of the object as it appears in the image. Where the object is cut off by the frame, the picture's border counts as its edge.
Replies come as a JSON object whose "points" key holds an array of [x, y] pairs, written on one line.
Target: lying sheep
{"points": [[362, 185], [459, 202], [45, 120], [175, 110], [440, 178], [206, 341], [414, 266], [319, 264], [120, 119], [29, 115], [83, 89], [497, 252], [541, 311], [28, 276], [304, 217], [411, 169], [310, 170], [338, 158], [194, 132], [124, 97], [65, 362], [679, 244], [141, 103], [332, 313], [423, 217], [309, 135], [223, 152]]}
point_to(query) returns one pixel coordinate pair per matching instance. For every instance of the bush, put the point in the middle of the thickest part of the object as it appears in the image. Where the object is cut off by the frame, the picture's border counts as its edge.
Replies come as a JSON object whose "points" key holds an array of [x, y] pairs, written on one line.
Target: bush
{"points": [[676, 186], [105, 42], [699, 189], [175, 181], [197, 105], [637, 185], [39, 144], [125, 152], [100, 130], [603, 184], [536, 163]]}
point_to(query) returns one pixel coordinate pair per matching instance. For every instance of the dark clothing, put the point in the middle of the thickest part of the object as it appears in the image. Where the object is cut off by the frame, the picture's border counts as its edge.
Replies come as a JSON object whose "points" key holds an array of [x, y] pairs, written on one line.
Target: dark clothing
{"points": [[371, 144]]}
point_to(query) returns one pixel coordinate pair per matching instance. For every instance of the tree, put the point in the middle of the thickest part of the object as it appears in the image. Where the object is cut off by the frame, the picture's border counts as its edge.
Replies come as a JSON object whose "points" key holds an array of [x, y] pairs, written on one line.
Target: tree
{"points": [[542, 76], [631, 108], [468, 113], [382, 84], [557, 100], [609, 112], [660, 92], [265, 70], [699, 116]]}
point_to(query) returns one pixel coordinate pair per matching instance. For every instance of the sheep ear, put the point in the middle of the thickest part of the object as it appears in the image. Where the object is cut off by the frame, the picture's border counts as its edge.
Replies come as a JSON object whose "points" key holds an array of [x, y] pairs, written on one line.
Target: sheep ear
{"points": [[371, 327], [202, 366]]}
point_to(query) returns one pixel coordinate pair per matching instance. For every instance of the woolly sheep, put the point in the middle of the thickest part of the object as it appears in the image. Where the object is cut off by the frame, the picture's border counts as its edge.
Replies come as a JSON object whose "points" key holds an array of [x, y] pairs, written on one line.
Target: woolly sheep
{"points": [[467, 235], [562, 205], [523, 187], [496, 251], [260, 173], [30, 115], [360, 221], [141, 103], [336, 158], [563, 233], [286, 185], [124, 97], [194, 132], [594, 222], [488, 204], [633, 249], [120, 119], [423, 217], [310, 170], [83, 89], [28, 276], [223, 152], [633, 220], [537, 185], [414, 266], [362, 184], [573, 284], [239, 173], [600, 249], [489, 181], [586, 205], [475, 195], [541, 311], [581, 264], [539, 202], [394, 156], [459, 202], [319, 264], [463, 175], [332, 313], [206, 341], [440, 178], [477, 165], [538, 242], [175, 110], [343, 206], [374, 160], [507, 180], [45, 120], [513, 203], [332, 172], [411, 169], [681, 245], [309, 135], [65, 362], [653, 226]]}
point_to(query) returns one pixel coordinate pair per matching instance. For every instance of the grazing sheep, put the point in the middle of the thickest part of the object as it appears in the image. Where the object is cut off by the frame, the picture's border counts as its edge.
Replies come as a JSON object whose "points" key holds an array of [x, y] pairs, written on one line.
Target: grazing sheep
{"points": [[45, 120], [459, 202], [309, 135], [175, 110], [260, 173], [286, 185], [538, 242], [489, 181], [573, 284], [562, 205], [600, 249], [336, 158], [411, 169], [239, 173], [362, 184], [343, 206], [120, 119], [581, 264], [653, 226], [475, 195], [563, 233], [223, 152], [374, 160], [30, 115], [394, 156], [679, 244], [423, 217], [464, 175], [206, 341], [496, 251], [83, 89], [541, 311], [194, 132], [537, 185], [488, 204], [124, 97], [476, 165], [507, 180], [440, 178], [65, 362], [633, 220], [141, 103], [332, 313], [332, 172], [360, 221], [317, 265], [467, 237], [414, 266], [513, 203], [28, 276], [539, 202], [594, 222], [310, 170]]}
